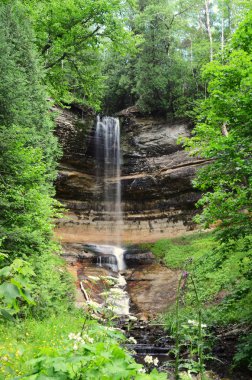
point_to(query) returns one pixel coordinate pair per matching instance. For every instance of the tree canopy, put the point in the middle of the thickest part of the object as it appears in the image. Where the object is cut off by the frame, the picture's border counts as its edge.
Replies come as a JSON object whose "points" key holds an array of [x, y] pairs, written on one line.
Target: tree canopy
{"points": [[72, 37], [223, 135], [177, 39]]}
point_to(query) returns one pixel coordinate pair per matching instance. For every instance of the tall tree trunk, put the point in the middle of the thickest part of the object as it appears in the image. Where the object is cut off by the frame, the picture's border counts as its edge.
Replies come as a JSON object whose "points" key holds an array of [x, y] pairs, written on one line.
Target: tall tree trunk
{"points": [[222, 37], [208, 26]]}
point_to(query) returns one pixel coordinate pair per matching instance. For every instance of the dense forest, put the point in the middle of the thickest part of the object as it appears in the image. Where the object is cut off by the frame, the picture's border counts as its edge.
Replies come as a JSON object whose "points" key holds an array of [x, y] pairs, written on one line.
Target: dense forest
{"points": [[176, 59]]}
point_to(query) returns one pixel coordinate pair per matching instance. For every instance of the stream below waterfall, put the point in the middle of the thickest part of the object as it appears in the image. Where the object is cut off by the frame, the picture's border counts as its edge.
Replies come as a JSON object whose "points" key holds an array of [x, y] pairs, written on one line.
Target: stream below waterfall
{"points": [[128, 283], [143, 289]]}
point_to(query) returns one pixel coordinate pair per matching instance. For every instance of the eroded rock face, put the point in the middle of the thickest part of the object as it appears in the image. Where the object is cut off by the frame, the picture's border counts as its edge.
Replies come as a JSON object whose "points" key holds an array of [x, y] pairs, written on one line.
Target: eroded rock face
{"points": [[157, 196]]}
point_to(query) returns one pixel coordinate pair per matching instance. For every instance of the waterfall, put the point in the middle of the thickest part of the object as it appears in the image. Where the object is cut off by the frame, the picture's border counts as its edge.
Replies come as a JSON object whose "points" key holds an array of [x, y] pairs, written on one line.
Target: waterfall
{"points": [[108, 159]]}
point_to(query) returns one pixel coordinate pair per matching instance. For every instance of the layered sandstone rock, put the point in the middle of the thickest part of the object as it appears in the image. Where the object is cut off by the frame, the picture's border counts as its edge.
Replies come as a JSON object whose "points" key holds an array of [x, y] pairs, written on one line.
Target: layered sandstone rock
{"points": [[157, 195]]}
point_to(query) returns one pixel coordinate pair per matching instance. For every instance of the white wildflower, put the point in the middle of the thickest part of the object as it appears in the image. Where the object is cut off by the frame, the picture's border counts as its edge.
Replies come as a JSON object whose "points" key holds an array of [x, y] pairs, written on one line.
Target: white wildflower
{"points": [[203, 325], [71, 336], [141, 370], [155, 361], [78, 338], [148, 359], [132, 340], [88, 338]]}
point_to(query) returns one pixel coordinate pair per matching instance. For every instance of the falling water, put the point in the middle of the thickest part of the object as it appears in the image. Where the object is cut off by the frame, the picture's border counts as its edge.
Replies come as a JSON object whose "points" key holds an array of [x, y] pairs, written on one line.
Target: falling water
{"points": [[108, 158], [111, 255]]}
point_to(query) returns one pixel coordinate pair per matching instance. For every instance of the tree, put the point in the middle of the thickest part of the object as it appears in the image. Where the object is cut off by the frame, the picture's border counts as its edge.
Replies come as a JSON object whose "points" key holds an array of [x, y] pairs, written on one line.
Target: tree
{"points": [[27, 169], [72, 36], [28, 147], [164, 76], [223, 135]]}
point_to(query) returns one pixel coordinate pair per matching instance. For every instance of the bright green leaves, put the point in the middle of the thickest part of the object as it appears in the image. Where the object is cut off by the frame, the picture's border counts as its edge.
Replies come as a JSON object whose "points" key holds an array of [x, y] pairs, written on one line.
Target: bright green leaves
{"points": [[103, 359], [72, 36], [223, 135], [242, 38], [14, 287]]}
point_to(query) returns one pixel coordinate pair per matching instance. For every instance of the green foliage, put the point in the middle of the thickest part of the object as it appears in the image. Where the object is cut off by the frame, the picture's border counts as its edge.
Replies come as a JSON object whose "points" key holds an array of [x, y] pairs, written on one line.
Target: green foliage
{"points": [[189, 335], [14, 287], [25, 339], [27, 168], [120, 82], [27, 145], [243, 356], [223, 279], [55, 349], [222, 273], [53, 288], [26, 201], [162, 77], [223, 135], [72, 37], [178, 252], [165, 74]]}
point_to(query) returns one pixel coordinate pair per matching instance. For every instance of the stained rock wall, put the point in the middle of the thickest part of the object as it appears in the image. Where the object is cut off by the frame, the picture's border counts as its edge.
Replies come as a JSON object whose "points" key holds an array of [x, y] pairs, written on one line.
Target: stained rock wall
{"points": [[157, 196]]}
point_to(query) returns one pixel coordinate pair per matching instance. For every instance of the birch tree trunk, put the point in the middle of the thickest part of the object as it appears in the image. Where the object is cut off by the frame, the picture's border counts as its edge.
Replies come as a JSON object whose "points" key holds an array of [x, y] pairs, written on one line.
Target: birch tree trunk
{"points": [[208, 26]]}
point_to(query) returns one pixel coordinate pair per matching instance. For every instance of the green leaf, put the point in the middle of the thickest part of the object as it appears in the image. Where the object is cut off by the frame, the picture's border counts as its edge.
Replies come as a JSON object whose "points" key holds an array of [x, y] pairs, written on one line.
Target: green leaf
{"points": [[9, 291], [6, 315], [5, 271]]}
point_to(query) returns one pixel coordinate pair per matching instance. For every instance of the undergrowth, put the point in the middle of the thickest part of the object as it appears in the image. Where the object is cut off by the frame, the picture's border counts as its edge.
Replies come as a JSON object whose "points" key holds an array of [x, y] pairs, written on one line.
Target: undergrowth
{"points": [[223, 277], [67, 346], [176, 252]]}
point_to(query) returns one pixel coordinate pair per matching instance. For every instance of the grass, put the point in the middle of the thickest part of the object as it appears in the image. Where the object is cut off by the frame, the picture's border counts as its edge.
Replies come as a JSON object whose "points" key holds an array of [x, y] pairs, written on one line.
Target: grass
{"points": [[23, 340], [33, 349], [176, 253]]}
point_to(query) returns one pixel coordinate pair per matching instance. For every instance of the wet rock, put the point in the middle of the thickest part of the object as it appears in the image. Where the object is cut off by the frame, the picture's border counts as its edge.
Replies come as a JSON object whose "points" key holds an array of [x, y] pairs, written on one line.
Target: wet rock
{"points": [[139, 257], [152, 288], [76, 251]]}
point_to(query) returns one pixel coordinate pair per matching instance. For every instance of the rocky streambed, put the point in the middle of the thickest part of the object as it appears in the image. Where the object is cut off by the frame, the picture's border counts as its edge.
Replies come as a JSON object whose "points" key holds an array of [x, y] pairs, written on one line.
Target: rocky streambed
{"points": [[151, 286], [139, 293], [141, 290]]}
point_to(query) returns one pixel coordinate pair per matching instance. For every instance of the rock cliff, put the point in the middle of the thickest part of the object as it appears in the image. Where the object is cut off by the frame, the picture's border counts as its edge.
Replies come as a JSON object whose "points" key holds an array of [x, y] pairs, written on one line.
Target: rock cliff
{"points": [[157, 196]]}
